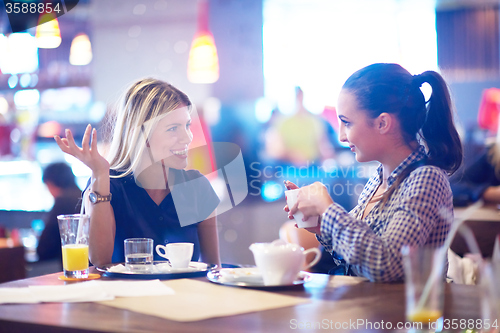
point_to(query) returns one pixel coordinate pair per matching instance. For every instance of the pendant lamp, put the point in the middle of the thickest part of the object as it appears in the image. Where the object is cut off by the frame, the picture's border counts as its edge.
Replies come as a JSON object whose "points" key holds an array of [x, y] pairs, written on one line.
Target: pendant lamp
{"points": [[203, 62], [80, 53], [488, 110], [48, 35]]}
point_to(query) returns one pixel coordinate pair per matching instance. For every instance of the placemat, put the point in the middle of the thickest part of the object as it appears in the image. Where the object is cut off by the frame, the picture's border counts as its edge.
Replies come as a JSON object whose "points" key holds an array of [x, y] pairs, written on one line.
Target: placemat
{"points": [[196, 300], [341, 280]]}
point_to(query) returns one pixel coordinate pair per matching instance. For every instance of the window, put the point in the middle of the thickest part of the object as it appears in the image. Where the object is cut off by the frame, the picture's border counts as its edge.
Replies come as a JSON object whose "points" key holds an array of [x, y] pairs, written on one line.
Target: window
{"points": [[317, 44]]}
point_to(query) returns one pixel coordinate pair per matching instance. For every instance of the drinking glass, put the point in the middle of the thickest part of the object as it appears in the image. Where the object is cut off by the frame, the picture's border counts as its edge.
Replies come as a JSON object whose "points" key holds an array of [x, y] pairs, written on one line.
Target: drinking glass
{"points": [[490, 298], [424, 283], [138, 254], [74, 231]]}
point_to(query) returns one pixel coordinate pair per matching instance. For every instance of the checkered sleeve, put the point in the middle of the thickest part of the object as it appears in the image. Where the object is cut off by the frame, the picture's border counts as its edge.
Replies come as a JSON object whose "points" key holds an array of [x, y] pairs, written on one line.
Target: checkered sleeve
{"points": [[421, 204]]}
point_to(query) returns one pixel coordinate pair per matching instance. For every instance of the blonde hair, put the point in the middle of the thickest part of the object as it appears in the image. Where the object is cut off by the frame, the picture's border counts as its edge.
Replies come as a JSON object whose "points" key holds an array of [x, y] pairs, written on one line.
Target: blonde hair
{"points": [[147, 99]]}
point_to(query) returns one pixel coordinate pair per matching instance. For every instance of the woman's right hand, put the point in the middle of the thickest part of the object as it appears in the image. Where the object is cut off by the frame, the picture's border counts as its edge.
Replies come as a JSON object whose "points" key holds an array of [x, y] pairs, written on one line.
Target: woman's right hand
{"points": [[289, 186], [88, 153]]}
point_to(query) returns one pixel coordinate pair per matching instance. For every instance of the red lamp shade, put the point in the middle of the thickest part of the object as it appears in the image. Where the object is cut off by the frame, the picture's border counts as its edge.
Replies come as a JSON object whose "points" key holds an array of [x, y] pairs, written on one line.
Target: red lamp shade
{"points": [[203, 63], [488, 110]]}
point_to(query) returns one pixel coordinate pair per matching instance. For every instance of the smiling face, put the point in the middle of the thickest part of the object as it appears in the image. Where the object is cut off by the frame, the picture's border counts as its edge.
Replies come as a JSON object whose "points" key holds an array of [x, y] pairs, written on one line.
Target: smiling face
{"points": [[357, 129], [171, 137]]}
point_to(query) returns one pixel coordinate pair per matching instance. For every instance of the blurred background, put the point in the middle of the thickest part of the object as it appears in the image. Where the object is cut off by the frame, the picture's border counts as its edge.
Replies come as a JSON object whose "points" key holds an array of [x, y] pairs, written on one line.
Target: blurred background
{"points": [[271, 88]]}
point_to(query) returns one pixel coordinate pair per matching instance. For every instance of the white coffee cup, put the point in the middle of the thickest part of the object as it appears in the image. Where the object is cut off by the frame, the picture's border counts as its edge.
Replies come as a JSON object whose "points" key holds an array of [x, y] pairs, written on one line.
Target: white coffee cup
{"points": [[291, 199], [280, 262], [179, 254]]}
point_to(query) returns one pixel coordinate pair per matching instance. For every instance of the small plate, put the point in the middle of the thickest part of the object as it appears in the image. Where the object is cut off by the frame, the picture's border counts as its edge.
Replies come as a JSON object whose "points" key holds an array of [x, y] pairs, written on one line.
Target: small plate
{"points": [[249, 277], [195, 269]]}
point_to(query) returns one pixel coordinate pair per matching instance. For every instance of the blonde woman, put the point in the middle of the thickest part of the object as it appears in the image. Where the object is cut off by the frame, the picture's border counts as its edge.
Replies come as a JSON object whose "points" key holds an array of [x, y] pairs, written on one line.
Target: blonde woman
{"points": [[130, 193]]}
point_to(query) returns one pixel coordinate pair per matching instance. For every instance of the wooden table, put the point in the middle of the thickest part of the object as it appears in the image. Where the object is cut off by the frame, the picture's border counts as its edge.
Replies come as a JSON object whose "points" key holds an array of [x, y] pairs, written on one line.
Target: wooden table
{"points": [[350, 301], [485, 224]]}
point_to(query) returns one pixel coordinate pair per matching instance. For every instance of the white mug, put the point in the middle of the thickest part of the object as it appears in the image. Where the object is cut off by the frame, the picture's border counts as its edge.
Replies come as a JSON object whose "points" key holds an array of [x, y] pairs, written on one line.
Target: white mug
{"points": [[280, 262], [179, 254], [291, 199]]}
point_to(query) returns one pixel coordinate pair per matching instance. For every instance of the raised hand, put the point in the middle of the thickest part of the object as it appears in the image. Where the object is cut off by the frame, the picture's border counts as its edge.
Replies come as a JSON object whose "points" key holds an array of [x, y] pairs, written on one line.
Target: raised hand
{"points": [[289, 186], [88, 153], [313, 200]]}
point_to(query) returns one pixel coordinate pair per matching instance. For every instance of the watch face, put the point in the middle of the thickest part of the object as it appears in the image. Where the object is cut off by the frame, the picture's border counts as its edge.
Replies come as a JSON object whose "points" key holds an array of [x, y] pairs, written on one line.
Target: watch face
{"points": [[93, 197]]}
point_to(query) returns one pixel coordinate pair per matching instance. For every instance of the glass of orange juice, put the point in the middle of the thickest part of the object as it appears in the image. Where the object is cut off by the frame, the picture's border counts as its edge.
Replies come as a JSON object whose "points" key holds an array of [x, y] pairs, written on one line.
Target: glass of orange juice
{"points": [[74, 231], [424, 282]]}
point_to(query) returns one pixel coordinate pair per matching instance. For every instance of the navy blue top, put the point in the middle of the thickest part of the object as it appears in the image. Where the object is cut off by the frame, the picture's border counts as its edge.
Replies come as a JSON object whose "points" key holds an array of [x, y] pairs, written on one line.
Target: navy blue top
{"points": [[137, 215]]}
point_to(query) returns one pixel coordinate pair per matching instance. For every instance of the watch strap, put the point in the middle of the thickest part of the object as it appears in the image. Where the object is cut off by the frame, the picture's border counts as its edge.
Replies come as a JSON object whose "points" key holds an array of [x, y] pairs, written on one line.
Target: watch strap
{"points": [[100, 198]]}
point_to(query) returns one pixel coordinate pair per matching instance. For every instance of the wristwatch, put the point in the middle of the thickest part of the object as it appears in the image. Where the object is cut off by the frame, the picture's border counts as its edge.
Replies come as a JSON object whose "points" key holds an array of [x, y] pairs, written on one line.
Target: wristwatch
{"points": [[95, 197]]}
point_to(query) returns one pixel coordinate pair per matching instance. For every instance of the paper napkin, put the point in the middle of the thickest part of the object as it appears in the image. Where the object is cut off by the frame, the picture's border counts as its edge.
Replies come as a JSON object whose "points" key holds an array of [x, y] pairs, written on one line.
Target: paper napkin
{"points": [[90, 291]]}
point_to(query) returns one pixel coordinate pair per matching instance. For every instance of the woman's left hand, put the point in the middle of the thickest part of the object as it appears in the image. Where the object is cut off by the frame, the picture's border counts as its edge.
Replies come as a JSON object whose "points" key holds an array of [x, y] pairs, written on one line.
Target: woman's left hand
{"points": [[313, 200]]}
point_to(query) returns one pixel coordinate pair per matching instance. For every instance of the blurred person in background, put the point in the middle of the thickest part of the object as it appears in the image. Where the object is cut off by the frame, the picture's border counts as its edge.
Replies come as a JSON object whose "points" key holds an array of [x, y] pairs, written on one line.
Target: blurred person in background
{"points": [[479, 178], [301, 139], [60, 181]]}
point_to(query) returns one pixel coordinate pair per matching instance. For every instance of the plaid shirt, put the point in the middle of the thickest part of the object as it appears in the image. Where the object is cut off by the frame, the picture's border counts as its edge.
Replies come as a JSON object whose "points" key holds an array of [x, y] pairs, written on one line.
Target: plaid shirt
{"points": [[419, 212]]}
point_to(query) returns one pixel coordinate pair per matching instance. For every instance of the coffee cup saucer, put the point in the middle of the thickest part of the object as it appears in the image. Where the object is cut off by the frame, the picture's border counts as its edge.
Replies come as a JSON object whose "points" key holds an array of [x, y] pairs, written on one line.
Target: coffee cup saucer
{"points": [[161, 270], [250, 277], [192, 267]]}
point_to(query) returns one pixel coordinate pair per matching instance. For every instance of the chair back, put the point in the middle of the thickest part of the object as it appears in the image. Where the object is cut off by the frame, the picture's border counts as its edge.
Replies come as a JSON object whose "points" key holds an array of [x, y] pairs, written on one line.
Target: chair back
{"points": [[12, 263]]}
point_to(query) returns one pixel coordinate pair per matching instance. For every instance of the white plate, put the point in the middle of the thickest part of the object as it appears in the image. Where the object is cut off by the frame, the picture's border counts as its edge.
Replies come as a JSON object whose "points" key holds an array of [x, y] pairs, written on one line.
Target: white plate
{"points": [[249, 277], [162, 270]]}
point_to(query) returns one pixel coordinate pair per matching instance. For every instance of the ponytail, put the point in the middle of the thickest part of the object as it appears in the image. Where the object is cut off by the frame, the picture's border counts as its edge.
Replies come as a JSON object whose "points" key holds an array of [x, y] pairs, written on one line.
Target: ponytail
{"points": [[390, 88], [438, 131]]}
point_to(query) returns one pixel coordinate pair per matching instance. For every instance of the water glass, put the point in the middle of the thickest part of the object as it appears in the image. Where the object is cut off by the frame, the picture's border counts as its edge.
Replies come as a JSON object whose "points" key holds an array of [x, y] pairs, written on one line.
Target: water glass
{"points": [[138, 254]]}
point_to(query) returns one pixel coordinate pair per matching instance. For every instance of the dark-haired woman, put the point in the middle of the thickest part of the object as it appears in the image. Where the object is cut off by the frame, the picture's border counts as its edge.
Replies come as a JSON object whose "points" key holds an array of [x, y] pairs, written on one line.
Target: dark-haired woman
{"points": [[408, 201]]}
